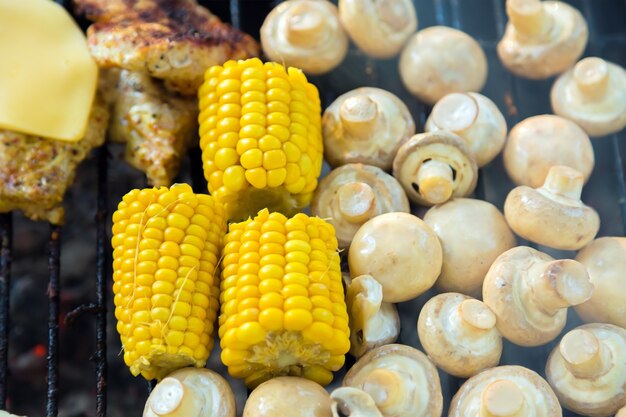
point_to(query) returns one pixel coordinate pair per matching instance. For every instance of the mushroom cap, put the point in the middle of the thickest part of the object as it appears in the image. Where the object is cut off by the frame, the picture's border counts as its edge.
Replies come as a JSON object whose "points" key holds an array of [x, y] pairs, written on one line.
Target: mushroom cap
{"points": [[191, 392], [504, 389], [549, 215], [353, 402], [365, 125], [603, 346], [459, 334], [379, 28], [560, 38], [440, 60], [520, 280], [592, 94], [441, 146], [352, 194], [372, 322], [473, 117], [288, 396], [306, 34], [400, 251], [605, 259], [403, 369], [473, 233], [621, 412], [537, 143]]}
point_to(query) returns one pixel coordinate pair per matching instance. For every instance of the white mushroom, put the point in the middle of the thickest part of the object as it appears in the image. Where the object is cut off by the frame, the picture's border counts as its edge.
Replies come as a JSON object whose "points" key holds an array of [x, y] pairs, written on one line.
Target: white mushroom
{"points": [[288, 396], [588, 370], [505, 391], [353, 402], [373, 322], [352, 194], [366, 125], [440, 60], [381, 27], [529, 293], [542, 38], [305, 34], [553, 215], [401, 381], [191, 392], [434, 167], [592, 94], [473, 117]]}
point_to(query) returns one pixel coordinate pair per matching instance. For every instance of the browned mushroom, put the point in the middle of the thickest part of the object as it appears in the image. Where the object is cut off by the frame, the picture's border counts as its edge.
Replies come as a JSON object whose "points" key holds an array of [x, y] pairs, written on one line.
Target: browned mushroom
{"points": [[366, 125], [542, 38], [400, 379], [191, 392], [434, 167], [592, 94], [537, 143], [587, 370], [352, 194], [373, 323], [379, 28], [529, 292], [288, 396], [474, 118], [306, 34], [400, 251], [440, 60], [605, 259], [459, 334], [553, 215], [472, 234], [505, 391]]}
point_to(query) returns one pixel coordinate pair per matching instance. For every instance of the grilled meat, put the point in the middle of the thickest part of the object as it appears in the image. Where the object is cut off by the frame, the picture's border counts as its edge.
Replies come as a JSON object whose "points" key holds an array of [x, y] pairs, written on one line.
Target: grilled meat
{"points": [[156, 125], [175, 40], [35, 172]]}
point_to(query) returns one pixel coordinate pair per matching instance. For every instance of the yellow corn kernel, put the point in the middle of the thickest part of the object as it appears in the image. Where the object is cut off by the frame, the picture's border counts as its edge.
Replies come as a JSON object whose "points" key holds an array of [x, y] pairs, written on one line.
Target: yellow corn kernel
{"points": [[165, 250], [277, 316], [265, 120]]}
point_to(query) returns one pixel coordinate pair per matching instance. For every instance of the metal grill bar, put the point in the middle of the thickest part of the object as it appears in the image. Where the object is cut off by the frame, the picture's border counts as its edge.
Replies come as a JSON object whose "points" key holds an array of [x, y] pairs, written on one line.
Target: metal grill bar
{"points": [[6, 237], [54, 288], [100, 356]]}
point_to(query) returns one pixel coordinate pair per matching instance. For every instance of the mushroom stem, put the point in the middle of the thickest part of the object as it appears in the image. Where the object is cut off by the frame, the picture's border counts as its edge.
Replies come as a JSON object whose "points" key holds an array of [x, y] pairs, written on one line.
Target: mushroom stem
{"points": [[558, 284], [592, 77], [584, 354], [476, 314], [305, 25], [358, 115], [455, 112], [564, 181], [357, 201], [528, 17], [435, 181], [170, 396], [386, 388], [393, 13], [502, 398]]}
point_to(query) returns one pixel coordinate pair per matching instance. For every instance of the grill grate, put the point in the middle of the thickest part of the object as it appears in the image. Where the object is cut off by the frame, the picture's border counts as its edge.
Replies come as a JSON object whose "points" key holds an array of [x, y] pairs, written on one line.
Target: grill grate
{"points": [[522, 98]]}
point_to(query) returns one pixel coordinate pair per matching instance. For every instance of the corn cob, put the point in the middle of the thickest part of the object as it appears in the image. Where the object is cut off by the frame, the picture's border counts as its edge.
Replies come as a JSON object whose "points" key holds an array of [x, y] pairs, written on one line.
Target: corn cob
{"points": [[282, 302], [260, 134], [165, 253]]}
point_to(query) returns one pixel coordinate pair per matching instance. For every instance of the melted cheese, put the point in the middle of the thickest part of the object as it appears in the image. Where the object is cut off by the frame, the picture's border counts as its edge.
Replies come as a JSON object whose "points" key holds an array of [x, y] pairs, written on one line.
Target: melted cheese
{"points": [[47, 77]]}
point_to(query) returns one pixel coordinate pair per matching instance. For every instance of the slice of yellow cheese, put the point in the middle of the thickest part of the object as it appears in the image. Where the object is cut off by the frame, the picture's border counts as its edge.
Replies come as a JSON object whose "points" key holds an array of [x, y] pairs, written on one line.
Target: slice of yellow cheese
{"points": [[47, 77]]}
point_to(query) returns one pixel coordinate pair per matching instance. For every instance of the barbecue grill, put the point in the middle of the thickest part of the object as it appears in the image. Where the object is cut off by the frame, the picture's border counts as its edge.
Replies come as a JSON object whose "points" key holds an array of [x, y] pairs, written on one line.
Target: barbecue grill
{"points": [[517, 99]]}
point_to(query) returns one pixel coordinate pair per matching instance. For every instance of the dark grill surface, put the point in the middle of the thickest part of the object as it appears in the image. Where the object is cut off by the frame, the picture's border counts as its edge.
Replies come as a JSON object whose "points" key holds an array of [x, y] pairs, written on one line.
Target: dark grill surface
{"points": [[53, 371]]}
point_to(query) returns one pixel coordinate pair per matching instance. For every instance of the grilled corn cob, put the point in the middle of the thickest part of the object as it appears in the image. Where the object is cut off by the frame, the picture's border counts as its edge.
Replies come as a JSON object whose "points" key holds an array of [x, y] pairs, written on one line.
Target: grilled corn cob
{"points": [[260, 134], [282, 303], [165, 253]]}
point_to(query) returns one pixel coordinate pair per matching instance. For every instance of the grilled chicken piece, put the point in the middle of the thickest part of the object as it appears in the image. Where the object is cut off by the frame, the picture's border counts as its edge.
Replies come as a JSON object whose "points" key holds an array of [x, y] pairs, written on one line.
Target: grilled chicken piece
{"points": [[175, 40], [156, 125], [35, 172]]}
